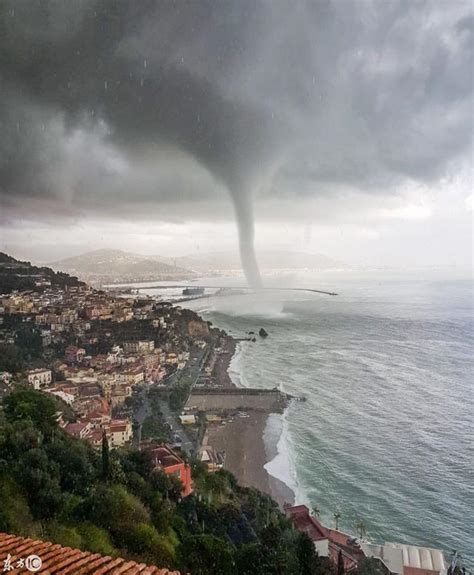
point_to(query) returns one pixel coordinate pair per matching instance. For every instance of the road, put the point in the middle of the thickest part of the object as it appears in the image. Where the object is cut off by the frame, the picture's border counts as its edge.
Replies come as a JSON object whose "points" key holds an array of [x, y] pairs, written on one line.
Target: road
{"points": [[192, 371]]}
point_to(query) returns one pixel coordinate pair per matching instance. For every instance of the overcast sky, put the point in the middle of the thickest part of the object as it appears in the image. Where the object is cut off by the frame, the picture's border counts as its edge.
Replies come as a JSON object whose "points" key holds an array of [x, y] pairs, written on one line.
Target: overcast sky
{"points": [[341, 127]]}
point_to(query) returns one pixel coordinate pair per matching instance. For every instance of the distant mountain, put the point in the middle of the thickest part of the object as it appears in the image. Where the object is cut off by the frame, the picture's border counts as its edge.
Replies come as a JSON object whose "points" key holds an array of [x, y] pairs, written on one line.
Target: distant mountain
{"points": [[22, 276], [116, 266], [268, 260]]}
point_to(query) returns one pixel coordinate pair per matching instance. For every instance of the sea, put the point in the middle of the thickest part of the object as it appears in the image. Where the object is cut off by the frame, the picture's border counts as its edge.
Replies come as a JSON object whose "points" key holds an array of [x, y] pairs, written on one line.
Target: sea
{"points": [[386, 434]]}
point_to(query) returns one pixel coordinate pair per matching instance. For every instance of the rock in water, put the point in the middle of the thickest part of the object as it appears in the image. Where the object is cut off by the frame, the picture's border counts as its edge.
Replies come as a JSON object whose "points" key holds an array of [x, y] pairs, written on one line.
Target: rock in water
{"points": [[262, 333]]}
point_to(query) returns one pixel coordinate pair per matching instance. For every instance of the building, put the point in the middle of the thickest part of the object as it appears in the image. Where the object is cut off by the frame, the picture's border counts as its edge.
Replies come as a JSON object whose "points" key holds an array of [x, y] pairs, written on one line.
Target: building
{"points": [[212, 458], [187, 419], [165, 459], [305, 522], [74, 355], [66, 397], [198, 328], [53, 558], [120, 432], [39, 378], [394, 558], [401, 559], [81, 429], [139, 346]]}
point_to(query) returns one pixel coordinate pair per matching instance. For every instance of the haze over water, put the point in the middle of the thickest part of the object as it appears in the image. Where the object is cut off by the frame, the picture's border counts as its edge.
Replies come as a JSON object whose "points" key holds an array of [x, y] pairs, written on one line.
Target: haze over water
{"points": [[387, 432]]}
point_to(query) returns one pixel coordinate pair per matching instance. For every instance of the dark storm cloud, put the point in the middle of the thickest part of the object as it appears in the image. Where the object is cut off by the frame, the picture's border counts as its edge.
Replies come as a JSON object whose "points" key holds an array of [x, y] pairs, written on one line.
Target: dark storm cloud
{"points": [[277, 97]]}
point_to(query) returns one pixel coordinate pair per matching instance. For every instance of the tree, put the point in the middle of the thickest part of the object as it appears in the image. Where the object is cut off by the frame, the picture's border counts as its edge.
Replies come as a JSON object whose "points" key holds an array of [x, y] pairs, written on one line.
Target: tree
{"points": [[168, 485], [206, 555], [340, 563], [369, 566], [105, 457], [307, 556], [10, 358], [316, 511], [361, 528], [30, 405], [337, 516], [115, 509]]}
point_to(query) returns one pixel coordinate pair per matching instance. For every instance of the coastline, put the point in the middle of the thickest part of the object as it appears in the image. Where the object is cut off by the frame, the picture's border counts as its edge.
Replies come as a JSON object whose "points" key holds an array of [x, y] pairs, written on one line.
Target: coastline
{"points": [[247, 446]]}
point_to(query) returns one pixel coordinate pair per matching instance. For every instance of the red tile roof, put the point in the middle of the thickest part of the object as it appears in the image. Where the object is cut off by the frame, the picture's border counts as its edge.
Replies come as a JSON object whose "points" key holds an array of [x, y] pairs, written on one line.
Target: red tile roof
{"points": [[305, 522], [67, 561], [165, 456]]}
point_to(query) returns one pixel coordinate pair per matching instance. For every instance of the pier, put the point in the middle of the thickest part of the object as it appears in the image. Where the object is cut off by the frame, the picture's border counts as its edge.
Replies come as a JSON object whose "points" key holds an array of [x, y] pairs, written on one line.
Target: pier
{"points": [[137, 289], [239, 398]]}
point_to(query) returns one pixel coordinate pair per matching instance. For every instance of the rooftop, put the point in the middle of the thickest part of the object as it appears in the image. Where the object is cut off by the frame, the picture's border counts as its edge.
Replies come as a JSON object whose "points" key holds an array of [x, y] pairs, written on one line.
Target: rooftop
{"points": [[305, 522], [65, 560], [398, 555], [165, 457]]}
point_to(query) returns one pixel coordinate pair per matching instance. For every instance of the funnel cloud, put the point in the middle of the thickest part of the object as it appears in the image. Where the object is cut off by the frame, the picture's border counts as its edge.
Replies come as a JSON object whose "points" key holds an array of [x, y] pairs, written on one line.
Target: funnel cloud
{"points": [[113, 107]]}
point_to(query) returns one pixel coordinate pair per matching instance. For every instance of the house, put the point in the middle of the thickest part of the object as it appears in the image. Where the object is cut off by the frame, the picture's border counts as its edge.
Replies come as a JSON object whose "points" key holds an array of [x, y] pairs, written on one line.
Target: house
{"points": [[306, 523], [81, 429], [139, 346], [120, 432], [66, 397], [74, 355], [39, 378], [6, 377], [394, 558], [327, 542], [165, 459]]}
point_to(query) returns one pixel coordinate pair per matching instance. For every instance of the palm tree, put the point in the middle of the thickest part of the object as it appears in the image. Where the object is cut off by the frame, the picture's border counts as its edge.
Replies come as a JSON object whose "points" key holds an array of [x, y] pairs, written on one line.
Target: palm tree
{"points": [[361, 528], [337, 516]]}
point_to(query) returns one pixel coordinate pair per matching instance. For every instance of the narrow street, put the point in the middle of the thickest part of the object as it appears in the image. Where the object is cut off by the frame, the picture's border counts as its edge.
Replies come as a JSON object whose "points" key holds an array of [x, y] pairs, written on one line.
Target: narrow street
{"points": [[143, 410]]}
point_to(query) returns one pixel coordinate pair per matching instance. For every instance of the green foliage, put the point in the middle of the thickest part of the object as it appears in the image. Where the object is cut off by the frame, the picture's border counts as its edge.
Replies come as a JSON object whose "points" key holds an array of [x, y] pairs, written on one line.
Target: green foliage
{"points": [[179, 395], [105, 458], [369, 566], [15, 514], [28, 339], [168, 485], [206, 554], [95, 539], [154, 428], [63, 534], [52, 486], [113, 508], [11, 359], [307, 556], [31, 406]]}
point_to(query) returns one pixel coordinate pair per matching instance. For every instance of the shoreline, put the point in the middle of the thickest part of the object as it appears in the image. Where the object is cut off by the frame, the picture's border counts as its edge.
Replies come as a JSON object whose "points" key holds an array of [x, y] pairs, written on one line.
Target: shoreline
{"points": [[244, 441]]}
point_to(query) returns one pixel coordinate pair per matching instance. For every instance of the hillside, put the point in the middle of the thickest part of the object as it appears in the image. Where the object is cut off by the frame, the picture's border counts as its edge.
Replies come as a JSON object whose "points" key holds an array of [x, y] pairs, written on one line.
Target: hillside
{"points": [[22, 276], [268, 260], [115, 503], [116, 266]]}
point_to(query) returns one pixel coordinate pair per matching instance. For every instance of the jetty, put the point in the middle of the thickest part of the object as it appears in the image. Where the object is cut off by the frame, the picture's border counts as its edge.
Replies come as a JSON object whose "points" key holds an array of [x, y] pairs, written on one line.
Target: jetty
{"points": [[239, 398], [229, 290]]}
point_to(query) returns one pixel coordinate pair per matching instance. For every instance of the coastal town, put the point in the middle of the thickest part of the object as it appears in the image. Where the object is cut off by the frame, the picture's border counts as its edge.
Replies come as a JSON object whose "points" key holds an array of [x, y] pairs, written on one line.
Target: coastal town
{"points": [[140, 372]]}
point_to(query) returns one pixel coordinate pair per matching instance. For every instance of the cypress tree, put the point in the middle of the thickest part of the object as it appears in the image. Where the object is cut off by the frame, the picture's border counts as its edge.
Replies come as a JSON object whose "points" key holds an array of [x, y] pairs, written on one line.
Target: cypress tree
{"points": [[105, 457], [340, 563]]}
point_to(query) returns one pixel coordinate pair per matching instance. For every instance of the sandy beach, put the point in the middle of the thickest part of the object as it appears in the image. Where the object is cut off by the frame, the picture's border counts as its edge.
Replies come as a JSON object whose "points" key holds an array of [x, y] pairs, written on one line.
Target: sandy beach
{"points": [[246, 455], [221, 368], [242, 439]]}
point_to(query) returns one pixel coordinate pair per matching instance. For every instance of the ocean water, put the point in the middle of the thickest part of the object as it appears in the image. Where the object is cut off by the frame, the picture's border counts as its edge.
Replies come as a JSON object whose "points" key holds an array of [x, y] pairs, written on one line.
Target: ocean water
{"points": [[387, 432]]}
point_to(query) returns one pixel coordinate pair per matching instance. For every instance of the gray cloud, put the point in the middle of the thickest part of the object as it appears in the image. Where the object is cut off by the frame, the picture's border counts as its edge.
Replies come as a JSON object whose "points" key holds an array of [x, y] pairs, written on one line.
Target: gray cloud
{"points": [[105, 103]]}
